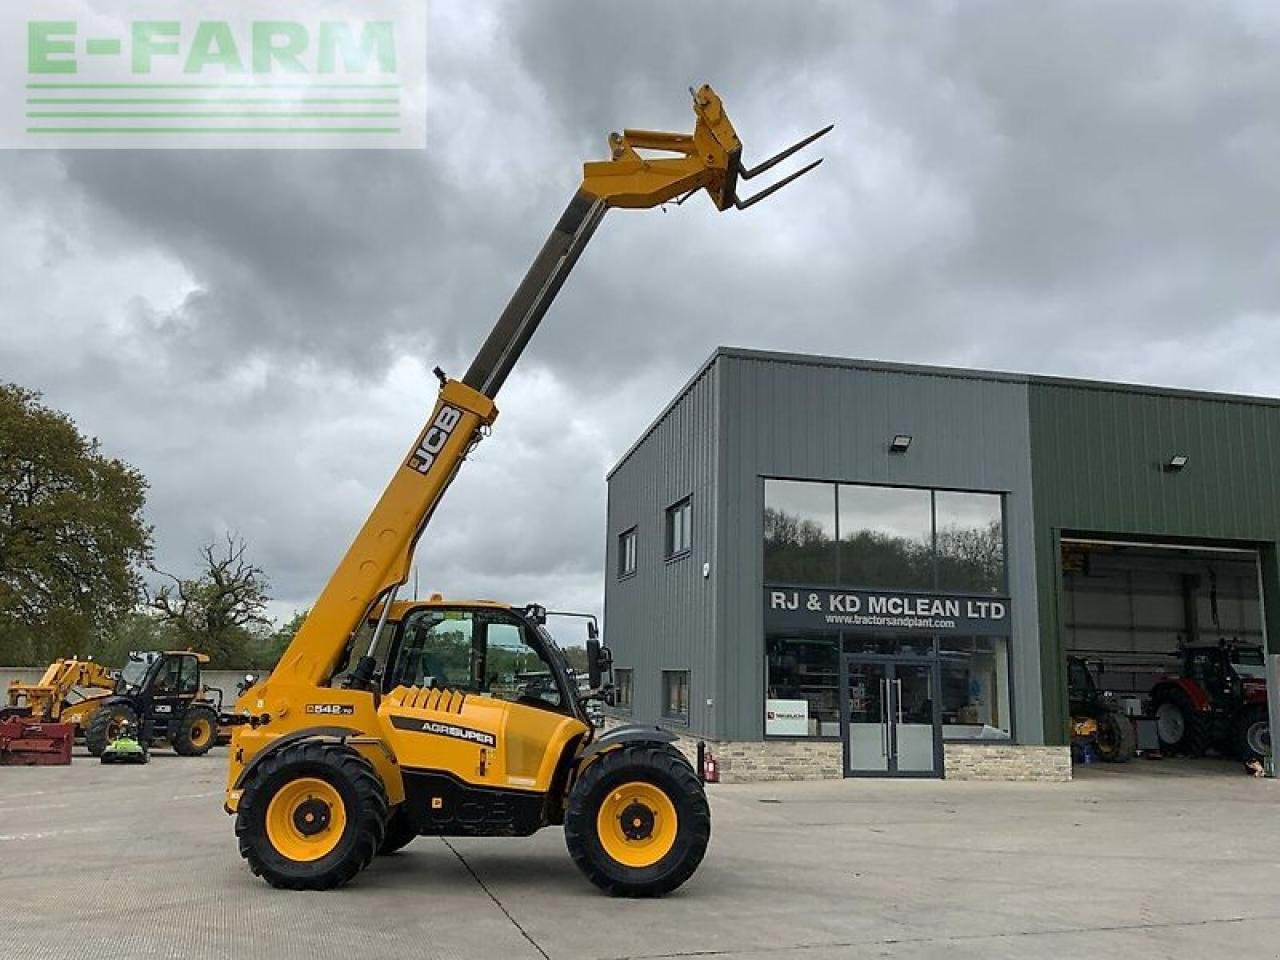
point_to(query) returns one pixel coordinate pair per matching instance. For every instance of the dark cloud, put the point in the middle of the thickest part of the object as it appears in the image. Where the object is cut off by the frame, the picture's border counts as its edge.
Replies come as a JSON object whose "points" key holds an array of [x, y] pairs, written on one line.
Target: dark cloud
{"points": [[1082, 189]]}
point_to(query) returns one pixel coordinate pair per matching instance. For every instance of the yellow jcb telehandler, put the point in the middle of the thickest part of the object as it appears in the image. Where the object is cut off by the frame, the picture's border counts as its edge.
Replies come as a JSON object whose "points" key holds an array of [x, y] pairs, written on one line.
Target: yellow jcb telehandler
{"points": [[384, 721], [69, 692]]}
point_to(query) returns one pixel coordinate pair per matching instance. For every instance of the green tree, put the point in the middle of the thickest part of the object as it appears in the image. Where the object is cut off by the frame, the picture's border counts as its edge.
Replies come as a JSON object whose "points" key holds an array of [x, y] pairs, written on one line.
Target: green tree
{"points": [[220, 612], [72, 536], [280, 639]]}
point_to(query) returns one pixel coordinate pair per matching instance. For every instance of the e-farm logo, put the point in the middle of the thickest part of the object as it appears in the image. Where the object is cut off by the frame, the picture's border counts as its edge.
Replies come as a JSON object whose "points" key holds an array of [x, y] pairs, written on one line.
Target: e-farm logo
{"points": [[244, 73]]}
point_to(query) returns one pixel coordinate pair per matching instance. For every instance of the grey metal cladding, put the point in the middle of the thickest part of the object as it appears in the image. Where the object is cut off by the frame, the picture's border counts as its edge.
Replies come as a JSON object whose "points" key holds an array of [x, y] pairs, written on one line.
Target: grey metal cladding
{"points": [[806, 418], [663, 617]]}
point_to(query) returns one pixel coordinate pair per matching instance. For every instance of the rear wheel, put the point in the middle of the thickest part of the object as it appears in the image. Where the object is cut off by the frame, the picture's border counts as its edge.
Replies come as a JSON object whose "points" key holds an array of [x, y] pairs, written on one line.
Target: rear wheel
{"points": [[637, 822], [1116, 741], [1180, 727], [312, 816], [106, 724], [197, 733]]}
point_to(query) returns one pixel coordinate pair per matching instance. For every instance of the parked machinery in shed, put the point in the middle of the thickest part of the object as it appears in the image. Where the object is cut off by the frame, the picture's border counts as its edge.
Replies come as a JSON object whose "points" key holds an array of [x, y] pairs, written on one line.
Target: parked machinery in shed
{"points": [[1217, 700], [160, 697], [1096, 719]]}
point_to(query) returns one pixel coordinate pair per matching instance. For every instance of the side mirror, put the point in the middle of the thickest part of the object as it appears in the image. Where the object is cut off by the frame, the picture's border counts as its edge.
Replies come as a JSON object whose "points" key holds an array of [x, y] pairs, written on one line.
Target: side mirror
{"points": [[599, 662], [593, 660], [593, 632]]}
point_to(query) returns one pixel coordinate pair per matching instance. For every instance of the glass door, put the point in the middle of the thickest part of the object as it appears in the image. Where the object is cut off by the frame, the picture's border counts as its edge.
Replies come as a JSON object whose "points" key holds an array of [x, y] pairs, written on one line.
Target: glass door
{"points": [[867, 738], [893, 725]]}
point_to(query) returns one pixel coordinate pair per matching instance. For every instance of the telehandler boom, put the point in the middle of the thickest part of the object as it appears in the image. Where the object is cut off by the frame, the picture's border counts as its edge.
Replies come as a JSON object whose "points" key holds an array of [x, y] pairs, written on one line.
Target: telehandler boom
{"points": [[384, 721]]}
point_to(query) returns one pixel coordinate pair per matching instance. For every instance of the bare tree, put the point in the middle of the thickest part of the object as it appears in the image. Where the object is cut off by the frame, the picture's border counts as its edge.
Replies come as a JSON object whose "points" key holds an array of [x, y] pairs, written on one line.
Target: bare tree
{"points": [[222, 610]]}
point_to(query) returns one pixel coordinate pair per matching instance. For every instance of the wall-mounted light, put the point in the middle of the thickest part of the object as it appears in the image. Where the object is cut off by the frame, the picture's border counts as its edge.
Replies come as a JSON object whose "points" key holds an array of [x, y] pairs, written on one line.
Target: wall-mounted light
{"points": [[1176, 463], [899, 443]]}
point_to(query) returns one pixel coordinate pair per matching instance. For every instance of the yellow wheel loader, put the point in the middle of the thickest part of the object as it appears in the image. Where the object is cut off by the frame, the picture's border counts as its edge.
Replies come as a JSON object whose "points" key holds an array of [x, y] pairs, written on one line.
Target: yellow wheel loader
{"points": [[384, 721]]}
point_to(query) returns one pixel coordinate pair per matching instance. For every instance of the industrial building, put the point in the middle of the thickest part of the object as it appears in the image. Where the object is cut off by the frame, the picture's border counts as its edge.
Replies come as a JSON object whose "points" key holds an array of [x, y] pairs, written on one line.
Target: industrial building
{"points": [[835, 567]]}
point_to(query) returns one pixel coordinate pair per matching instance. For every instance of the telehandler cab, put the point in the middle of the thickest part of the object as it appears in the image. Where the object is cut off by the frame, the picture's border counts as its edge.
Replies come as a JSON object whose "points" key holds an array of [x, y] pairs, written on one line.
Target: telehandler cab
{"points": [[386, 720]]}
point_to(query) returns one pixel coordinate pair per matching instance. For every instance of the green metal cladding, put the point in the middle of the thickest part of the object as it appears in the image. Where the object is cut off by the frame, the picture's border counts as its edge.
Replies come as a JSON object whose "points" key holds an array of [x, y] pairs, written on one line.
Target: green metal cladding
{"points": [[1098, 458]]}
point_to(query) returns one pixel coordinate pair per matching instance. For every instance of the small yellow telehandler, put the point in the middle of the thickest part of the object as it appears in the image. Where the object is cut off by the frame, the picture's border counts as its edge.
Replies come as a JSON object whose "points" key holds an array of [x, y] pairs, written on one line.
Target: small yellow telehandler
{"points": [[384, 721]]}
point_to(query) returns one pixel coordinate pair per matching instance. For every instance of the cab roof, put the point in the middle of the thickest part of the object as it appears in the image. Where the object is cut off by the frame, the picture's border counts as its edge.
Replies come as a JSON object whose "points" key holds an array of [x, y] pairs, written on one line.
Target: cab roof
{"points": [[402, 608]]}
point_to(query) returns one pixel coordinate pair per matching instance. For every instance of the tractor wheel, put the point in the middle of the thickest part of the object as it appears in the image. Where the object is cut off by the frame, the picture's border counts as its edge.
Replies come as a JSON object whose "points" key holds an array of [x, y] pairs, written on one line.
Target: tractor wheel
{"points": [[1252, 734], [401, 831], [637, 822], [312, 816], [197, 733], [106, 723], [1117, 743], [1180, 727]]}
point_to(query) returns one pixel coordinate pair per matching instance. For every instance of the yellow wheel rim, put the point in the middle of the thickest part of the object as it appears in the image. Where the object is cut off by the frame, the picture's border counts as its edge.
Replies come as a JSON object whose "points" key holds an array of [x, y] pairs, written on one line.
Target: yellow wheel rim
{"points": [[201, 731], [637, 824], [116, 726], [306, 819]]}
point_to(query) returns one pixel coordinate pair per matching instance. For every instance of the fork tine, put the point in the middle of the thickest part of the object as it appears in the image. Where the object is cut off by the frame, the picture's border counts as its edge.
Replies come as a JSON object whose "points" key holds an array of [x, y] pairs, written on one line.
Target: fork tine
{"points": [[748, 173], [774, 188]]}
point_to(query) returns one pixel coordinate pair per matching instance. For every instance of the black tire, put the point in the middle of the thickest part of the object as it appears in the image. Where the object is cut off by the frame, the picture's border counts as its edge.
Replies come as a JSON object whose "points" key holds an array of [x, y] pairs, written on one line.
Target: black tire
{"points": [[659, 766], [1117, 742], [197, 733], [401, 831], [364, 806], [104, 725], [1251, 737], [1195, 733]]}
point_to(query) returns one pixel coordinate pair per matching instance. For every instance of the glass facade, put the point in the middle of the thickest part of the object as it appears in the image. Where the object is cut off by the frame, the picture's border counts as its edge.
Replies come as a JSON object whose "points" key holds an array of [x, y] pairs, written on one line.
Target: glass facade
{"points": [[804, 668], [885, 536], [975, 688], [900, 538], [800, 532], [878, 538]]}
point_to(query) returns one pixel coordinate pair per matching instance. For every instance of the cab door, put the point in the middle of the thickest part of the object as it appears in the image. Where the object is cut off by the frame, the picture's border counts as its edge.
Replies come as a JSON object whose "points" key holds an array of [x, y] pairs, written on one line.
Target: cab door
{"points": [[474, 694], [174, 686]]}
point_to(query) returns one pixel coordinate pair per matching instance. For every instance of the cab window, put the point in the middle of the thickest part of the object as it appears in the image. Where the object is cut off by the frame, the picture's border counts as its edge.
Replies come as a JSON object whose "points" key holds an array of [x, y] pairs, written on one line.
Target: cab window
{"points": [[167, 677], [188, 675], [478, 653]]}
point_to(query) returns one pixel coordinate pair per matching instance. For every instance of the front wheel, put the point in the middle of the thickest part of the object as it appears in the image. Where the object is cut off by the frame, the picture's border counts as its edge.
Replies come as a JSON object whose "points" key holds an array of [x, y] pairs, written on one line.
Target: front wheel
{"points": [[1253, 735], [197, 732], [312, 816], [107, 723], [637, 822]]}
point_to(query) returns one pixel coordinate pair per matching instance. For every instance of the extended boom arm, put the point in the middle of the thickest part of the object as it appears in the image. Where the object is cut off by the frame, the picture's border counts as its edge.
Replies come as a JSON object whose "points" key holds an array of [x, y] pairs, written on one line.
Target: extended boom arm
{"points": [[378, 560]]}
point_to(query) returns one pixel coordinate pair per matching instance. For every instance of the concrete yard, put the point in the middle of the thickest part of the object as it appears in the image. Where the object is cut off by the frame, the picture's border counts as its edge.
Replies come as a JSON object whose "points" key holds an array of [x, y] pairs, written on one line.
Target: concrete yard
{"points": [[140, 862]]}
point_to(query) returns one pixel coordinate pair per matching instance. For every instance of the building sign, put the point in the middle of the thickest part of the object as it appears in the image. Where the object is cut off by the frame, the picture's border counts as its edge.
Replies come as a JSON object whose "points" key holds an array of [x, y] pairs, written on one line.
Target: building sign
{"points": [[790, 608], [786, 718]]}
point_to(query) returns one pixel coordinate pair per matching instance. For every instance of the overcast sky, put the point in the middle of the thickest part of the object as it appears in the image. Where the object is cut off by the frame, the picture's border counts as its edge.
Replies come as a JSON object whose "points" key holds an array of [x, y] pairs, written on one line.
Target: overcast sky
{"points": [[1086, 189]]}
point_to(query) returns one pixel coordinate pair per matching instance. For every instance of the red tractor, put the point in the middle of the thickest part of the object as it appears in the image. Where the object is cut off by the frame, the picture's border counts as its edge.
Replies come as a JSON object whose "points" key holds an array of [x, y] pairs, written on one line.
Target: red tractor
{"points": [[1217, 700]]}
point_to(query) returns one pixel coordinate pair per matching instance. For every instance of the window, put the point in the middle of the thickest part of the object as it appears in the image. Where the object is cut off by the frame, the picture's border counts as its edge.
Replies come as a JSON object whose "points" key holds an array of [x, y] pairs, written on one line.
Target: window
{"points": [[886, 537], [679, 528], [802, 694], [970, 542], [482, 654], [975, 688], [188, 675], [627, 552], [622, 688], [876, 537], [675, 695], [167, 681], [799, 532]]}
